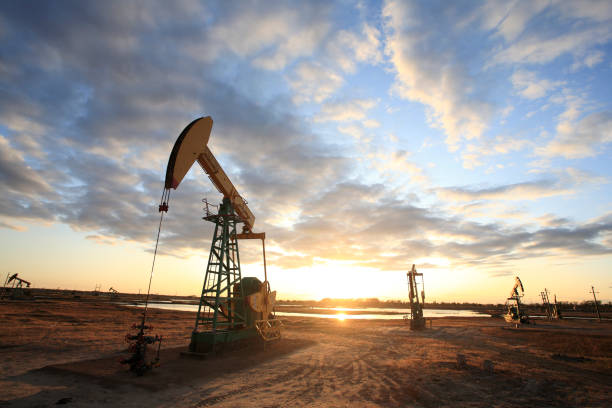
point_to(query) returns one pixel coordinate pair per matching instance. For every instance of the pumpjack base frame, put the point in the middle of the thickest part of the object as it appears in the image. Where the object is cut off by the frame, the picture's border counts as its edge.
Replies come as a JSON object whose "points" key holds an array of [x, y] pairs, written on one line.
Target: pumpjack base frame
{"points": [[417, 324], [206, 342]]}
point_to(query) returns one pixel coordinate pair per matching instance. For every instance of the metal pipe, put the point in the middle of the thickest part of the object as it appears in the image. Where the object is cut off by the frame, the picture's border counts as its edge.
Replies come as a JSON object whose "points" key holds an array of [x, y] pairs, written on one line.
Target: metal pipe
{"points": [[263, 243], [596, 306]]}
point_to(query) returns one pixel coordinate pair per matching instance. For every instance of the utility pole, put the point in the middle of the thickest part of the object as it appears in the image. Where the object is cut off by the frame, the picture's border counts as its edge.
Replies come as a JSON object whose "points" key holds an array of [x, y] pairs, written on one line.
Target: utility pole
{"points": [[596, 307]]}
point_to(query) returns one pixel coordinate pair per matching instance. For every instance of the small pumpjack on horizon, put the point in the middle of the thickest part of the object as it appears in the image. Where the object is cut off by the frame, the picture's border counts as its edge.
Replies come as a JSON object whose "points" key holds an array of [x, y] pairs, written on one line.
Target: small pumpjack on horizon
{"points": [[139, 362], [113, 293], [14, 286], [515, 313], [551, 309], [416, 318]]}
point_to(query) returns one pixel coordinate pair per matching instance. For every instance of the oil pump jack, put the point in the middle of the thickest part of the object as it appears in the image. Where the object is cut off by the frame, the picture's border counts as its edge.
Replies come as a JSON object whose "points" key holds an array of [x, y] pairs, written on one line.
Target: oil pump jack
{"points": [[417, 320], [231, 309], [515, 313], [14, 285]]}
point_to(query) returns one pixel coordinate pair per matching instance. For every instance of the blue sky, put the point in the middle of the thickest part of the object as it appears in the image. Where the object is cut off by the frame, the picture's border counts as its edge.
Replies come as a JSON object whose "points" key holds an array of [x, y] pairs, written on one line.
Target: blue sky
{"points": [[471, 138]]}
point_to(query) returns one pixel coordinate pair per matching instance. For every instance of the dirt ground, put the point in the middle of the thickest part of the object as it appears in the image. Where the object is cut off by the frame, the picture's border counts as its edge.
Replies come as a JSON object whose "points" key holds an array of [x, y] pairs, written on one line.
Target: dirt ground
{"points": [[67, 352]]}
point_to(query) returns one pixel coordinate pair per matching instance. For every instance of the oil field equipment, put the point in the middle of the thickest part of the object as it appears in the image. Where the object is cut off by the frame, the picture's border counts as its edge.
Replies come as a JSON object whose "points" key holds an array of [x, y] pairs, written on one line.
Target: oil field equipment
{"points": [[515, 313], [551, 309], [416, 318], [595, 302], [232, 309], [140, 362], [113, 293], [556, 311], [546, 303], [14, 286]]}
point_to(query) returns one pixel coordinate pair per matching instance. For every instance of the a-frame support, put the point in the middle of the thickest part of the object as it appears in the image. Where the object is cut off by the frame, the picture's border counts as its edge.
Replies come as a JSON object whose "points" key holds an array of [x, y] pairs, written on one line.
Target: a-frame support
{"points": [[221, 311]]}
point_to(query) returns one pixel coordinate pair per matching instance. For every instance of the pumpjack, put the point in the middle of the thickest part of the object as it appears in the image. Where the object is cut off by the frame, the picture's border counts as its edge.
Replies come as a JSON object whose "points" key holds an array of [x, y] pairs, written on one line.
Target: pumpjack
{"points": [[515, 313], [416, 318], [551, 309], [232, 309], [556, 311], [15, 285], [113, 293]]}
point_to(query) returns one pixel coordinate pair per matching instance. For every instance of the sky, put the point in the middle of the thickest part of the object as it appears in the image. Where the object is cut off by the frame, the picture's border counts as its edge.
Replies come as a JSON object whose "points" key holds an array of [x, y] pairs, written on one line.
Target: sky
{"points": [[471, 138]]}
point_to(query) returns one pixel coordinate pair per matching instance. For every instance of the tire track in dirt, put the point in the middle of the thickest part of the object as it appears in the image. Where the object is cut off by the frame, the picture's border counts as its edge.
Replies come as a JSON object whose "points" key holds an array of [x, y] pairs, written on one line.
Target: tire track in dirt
{"points": [[296, 373]]}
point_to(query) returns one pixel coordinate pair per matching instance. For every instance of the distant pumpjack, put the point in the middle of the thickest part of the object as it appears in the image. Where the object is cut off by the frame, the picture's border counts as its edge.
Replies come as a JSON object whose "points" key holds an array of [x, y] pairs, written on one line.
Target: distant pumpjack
{"points": [[114, 293], [14, 285], [515, 313], [556, 311], [551, 309], [416, 318]]}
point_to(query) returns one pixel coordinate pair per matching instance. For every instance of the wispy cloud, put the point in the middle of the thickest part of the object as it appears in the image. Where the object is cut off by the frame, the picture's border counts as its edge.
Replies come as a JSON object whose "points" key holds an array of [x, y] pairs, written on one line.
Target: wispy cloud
{"points": [[271, 34], [16, 175], [314, 82], [349, 48], [529, 86], [573, 28], [429, 72], [344, 111], [580, 139], [559, 183]]}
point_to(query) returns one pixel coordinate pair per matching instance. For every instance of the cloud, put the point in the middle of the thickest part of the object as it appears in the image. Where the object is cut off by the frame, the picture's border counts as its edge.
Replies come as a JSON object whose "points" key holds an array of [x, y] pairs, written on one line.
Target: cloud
{"points": [[428, 71], [11, 226], [551, 220], [345, 111], [589, 60], [271, 33], [516, 191], [354, 130], [313, 82], [575, 140], [514, 16], [395, 165], [538, 50], [371, 123], [95, 95], [99, 133], [473, 154], [348, 48], [375, 225], [529, 86], [16, 175], [561, 183], [539, 32], [435, 66]]}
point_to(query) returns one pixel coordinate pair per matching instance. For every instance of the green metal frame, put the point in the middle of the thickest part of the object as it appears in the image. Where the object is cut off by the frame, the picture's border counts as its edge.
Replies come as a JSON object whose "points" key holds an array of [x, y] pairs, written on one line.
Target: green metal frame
{"points": [[221, 314], [417, 320]]}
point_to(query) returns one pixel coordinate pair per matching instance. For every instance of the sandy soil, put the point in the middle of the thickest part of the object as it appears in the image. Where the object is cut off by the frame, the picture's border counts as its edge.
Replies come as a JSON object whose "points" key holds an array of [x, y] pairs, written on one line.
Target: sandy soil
{"points": [[68, 351]]}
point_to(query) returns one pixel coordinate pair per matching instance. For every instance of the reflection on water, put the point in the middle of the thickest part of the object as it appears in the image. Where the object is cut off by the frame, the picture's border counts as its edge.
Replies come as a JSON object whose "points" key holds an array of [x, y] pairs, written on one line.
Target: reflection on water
{"points": [[375, 313], [369, 316]]}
